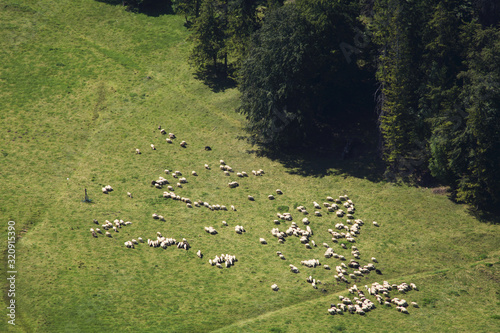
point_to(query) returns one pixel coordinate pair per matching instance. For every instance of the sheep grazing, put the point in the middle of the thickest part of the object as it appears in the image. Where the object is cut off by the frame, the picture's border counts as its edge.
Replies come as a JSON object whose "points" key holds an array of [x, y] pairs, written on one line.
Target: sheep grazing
{"points": [[129, 244], [251, 198], [207, 167], [233, 184], [168, 140], [239, 229], [317, 213], [183, 245], [171, 135], [275, 287], [414, 304], [129, 195], [108, 234], [262, 241], [199, 254], [140, 239], [329, 198], [222, 162], [278, 191], [194, 173], [305, 220], [183, 144], [374, 259], [98, 230], [211, 230], [376, 224], [270, 197], [153, 147], [162, 131], [137, 151], [239, 174], [293, 269], [104, 190], [226, 173], [93, 232]]}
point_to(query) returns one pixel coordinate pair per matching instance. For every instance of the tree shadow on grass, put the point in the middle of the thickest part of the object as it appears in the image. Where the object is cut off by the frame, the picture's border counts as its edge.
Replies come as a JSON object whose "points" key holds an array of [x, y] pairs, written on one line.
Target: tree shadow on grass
{"points": [[361, 162], [216, 81], [489, 215], [149, 8]]}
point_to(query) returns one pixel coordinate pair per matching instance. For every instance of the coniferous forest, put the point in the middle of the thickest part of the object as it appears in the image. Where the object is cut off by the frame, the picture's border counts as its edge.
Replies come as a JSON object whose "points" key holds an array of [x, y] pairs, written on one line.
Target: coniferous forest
{"points": [[421, 78]]}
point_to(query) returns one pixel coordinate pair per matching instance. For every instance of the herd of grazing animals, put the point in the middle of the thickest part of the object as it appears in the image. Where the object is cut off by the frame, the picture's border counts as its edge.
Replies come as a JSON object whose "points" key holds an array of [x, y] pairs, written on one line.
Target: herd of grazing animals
{"points": [[349, 231]]}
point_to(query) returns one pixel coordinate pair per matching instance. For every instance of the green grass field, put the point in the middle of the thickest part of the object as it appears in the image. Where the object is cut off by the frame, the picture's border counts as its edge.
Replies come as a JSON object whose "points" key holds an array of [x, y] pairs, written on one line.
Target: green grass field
{"points": [[82, 85]]}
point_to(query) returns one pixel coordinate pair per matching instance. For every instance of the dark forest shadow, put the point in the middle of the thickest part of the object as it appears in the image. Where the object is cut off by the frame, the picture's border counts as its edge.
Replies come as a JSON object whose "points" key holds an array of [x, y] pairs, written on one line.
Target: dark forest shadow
{"points": [[216, 80], [488, 215], [149, 8], [361, 161]]}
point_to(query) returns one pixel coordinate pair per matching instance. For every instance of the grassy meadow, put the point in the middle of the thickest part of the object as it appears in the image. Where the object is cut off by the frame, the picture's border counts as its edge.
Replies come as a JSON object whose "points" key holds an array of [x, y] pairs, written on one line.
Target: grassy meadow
{"points": [[82, 85]]}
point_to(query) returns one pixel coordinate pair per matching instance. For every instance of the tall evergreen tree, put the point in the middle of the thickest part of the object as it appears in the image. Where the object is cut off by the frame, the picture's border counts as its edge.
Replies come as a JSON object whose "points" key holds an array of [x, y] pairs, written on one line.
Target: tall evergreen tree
{"points": [[396, 28], [209, 39]]}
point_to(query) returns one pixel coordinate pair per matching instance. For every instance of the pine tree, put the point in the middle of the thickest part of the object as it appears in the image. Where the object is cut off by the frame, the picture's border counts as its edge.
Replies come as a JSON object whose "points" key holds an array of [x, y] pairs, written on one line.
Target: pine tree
{"points": [[209, 39]]}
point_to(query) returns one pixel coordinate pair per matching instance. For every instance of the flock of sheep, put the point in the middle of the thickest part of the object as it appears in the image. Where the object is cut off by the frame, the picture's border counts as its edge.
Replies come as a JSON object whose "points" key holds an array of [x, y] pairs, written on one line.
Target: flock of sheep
{"points": [[346, 271]]}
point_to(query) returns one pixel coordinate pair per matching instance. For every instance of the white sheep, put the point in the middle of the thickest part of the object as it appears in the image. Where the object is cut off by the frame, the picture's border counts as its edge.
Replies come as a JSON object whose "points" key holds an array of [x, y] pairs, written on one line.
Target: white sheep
{"points": [[278, 191], [262, 241], [153, 147], [275, 287], [171, 135], [270, 197], [137, 151], [251, 198], [168, 140], [207, 167], [199, 254]]}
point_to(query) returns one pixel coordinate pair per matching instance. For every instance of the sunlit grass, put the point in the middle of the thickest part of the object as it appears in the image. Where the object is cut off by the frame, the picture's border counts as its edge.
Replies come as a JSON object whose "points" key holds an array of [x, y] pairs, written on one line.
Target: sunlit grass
{"points": [[83, 85]]}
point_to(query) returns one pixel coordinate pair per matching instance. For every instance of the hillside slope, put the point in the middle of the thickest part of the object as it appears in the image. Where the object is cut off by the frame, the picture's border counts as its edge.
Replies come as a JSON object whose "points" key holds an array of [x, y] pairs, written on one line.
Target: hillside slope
{"points": [[83, 84]]}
